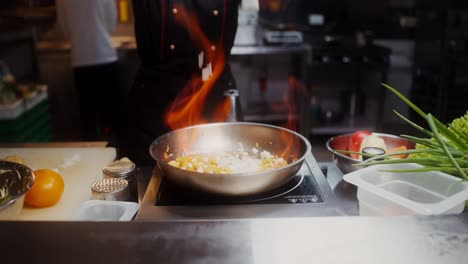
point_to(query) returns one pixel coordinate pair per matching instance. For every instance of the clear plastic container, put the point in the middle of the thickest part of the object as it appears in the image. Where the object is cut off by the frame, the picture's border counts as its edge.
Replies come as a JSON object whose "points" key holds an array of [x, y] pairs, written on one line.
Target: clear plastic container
{"points": [[392, 193]]}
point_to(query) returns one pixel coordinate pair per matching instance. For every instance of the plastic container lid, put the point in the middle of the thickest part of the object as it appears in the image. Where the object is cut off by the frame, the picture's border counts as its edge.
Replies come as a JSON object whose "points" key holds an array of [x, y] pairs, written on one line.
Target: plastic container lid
{"points": [[392, 193]]}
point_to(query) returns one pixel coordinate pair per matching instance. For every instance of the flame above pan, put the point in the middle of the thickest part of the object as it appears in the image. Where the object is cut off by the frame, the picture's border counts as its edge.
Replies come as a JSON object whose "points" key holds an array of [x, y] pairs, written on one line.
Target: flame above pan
{"points": [[187, 109]]}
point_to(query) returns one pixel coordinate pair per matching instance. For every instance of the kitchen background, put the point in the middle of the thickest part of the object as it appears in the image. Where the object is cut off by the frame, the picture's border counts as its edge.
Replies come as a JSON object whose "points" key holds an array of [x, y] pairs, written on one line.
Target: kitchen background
{"points": [[339, 50]]}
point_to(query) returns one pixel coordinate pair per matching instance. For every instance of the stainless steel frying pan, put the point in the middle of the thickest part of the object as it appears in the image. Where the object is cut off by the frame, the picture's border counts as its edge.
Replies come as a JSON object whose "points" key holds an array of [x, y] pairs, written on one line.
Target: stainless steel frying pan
{"points": [[220, 137]]}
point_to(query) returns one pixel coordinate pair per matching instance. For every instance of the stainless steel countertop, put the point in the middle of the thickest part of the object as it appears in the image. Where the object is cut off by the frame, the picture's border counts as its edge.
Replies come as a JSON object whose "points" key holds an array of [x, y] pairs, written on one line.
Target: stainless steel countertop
{"points": [[340, 239], [436, 239], [345, 193]]}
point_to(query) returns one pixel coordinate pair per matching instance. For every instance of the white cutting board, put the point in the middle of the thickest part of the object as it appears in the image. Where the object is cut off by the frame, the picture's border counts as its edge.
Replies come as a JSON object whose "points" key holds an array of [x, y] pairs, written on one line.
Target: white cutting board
{"points": [[79, 167]]}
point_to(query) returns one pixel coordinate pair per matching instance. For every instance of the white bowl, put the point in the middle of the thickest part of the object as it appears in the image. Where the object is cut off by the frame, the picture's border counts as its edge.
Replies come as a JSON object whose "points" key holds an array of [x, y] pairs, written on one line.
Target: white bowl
{"points": [[102, 210]]}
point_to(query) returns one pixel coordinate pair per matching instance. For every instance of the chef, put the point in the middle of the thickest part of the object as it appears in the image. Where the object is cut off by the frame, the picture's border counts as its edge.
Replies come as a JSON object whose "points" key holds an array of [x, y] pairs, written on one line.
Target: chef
{"points": [[170, 56], [96, 67]]}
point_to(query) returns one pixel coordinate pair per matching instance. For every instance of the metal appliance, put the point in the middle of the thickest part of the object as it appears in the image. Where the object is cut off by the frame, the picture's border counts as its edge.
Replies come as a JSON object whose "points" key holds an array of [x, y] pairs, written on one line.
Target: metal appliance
{"points": [[283, 37], [307, 194]]}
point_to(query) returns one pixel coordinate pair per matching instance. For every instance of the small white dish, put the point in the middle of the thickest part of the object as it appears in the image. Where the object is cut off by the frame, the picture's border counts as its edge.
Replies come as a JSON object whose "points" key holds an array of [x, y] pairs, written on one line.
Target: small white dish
{"points": [[102, 210]]}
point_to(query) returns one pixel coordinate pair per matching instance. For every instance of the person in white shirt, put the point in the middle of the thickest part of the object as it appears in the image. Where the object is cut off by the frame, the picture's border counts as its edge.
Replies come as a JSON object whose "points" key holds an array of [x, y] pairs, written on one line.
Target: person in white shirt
{"points": [[88, 24]]}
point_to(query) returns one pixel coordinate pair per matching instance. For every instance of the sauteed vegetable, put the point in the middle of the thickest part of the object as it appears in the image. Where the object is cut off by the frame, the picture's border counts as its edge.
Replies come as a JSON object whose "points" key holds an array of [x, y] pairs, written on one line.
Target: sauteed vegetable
{"points": [[229, 162]]}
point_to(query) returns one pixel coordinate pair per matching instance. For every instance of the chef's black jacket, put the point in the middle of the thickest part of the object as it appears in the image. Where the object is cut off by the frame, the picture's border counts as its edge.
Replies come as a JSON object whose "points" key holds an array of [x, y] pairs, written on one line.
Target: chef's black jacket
{"points": [[169, 58]]}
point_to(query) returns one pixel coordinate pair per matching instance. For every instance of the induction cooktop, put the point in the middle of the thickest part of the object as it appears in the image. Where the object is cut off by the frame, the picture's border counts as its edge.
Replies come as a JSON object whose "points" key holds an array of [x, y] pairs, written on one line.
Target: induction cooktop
{"points": [[300, 189], [306, 194]]}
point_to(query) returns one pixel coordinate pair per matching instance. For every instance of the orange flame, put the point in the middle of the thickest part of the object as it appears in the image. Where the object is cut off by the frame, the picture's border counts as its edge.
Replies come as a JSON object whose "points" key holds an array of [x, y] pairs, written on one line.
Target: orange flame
{"points": [[289, 105], [187, 108]]}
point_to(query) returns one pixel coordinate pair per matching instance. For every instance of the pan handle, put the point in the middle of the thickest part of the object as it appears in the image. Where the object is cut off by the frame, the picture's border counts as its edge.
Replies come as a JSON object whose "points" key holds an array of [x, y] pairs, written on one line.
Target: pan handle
{"points": [[235, 113]]}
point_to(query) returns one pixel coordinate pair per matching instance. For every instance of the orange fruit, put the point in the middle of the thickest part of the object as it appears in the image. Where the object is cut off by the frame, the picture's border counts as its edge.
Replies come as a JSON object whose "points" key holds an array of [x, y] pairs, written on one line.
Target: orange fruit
{"points": [[46, 190]]}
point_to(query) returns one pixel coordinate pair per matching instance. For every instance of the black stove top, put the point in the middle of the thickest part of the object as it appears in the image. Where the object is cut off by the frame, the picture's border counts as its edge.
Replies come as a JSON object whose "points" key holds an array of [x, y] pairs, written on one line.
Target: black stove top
{"points": [[302, 188], [307, 194]]}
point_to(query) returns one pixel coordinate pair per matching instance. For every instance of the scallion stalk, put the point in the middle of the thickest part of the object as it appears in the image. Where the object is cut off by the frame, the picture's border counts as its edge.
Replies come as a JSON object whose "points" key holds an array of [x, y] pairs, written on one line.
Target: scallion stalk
{"points": [[447, 148]]}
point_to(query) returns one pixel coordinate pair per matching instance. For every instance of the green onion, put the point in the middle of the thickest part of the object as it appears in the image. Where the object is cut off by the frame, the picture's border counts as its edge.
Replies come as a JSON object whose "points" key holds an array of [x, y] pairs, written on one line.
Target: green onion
{"points": [[447, 148]]}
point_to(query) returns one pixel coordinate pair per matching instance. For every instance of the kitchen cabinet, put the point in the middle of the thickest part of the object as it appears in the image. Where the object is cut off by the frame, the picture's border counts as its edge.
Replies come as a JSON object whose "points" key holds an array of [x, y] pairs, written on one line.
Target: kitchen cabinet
{"points": [[441, 60], [318, 68], [342, 86], [254, 81]]}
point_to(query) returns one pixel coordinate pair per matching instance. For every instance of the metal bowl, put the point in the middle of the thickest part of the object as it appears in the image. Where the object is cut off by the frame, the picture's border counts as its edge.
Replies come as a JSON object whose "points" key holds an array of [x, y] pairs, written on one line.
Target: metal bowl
{"points": [[345, 163], [220, 137], [15, 180]]}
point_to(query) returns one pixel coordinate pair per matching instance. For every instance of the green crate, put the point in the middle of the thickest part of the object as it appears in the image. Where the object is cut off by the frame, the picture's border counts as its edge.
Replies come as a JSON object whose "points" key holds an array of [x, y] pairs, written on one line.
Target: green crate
{"points": [[31, 126]]}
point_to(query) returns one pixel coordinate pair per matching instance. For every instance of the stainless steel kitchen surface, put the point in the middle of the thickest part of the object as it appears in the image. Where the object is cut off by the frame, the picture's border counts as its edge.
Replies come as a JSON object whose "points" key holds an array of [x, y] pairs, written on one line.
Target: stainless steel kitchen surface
{"points": [[429, 239]]}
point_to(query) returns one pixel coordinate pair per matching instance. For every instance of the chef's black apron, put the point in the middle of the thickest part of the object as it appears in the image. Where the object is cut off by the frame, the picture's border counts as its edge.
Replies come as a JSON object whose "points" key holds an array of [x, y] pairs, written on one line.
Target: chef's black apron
{"points": [[169, 59]]}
